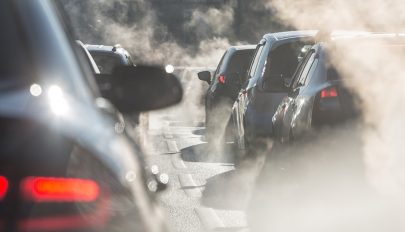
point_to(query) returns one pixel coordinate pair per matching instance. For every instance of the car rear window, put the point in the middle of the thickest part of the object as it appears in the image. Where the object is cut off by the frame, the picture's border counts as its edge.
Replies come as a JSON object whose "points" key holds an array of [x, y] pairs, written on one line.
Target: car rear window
{"points": [[240, 62], [13, 59], [106, 62]]}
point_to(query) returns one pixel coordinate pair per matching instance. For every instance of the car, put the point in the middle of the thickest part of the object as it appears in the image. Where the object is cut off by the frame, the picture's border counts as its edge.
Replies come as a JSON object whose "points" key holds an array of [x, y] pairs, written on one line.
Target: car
{"points": [[64, 166], [275, 60], [318, 96], [107, 57], [104, 86], [223, 89]]}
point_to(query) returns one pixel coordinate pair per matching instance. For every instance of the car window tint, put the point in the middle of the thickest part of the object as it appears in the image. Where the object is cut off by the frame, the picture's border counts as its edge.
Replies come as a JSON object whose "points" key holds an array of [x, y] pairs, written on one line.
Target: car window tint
{"points": [[239, 63], [283, 60], [220, 64], [303, 68], [305, 77], [107, 62], [254, 68], [256, 60], [14, 58]]}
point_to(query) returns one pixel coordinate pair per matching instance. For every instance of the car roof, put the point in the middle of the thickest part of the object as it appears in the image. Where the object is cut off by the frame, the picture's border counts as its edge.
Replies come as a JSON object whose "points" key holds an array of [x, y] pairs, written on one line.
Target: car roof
{"points": [[244, 47], [239, 48], [106, 48], [290, 35]]}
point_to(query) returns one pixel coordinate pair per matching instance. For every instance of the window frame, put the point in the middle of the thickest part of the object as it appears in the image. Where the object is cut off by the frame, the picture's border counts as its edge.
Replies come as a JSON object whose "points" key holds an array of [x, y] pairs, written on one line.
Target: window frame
{"points": [[305, 62]]}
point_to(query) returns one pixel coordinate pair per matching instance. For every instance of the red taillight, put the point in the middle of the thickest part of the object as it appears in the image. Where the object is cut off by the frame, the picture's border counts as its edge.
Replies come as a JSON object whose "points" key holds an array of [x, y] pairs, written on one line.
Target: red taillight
{"points": [[46, 189], [3, 187], [329, 92], [221, 79]]}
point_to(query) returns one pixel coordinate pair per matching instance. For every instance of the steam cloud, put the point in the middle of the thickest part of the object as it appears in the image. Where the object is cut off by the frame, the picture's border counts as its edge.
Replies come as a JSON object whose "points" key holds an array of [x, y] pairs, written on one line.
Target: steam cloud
{"points": [[337, 182], [375, 73]]}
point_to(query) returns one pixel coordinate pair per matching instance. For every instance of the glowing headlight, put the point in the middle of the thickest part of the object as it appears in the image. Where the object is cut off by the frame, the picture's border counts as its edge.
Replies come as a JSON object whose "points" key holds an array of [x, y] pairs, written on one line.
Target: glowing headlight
{"points": [[169, 68], [35, 90], [57, 100]]}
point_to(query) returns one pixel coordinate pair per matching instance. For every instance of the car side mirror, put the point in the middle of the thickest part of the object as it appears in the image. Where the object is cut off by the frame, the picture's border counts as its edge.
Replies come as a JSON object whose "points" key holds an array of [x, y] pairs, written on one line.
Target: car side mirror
{"points": [[205, 76], [140, 88], [276, 84]]}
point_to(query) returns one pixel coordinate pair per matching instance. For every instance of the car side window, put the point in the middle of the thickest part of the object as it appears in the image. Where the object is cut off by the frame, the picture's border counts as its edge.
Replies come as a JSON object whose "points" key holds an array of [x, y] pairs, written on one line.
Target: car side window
{"points": [[311, 71], [14, 59], [219, 65], [256, 60], [303, 70], [255, 66]]}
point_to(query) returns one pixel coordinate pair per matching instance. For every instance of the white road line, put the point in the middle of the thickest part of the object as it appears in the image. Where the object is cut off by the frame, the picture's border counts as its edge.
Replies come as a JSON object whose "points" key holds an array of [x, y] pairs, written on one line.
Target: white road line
{"points": [[178, 162], [189, 186], [172, 146], [209, 219], [167, 135]]}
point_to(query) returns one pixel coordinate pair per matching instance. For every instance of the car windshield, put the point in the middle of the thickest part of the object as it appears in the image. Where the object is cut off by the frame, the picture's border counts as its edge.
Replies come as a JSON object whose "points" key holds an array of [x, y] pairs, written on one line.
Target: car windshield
{"points": [[239, 63], [107, 61], [14, 62]]}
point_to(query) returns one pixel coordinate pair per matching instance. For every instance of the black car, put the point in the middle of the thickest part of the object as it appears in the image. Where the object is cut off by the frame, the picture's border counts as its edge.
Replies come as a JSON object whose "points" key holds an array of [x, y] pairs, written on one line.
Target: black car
{"points": [[223, 89], [318, 96], [64, 166], [275, 60], [107, 57]]}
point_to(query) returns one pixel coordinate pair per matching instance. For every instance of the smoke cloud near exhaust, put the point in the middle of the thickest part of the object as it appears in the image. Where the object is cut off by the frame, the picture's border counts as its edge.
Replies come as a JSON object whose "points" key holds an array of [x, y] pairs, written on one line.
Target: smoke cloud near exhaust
{"points": [[136, 26], [374, 72], [349, 178]]}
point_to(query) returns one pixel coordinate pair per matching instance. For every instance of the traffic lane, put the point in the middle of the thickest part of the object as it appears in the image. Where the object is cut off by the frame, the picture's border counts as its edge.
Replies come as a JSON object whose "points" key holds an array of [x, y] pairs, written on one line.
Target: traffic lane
{"points": [[181, 156]]}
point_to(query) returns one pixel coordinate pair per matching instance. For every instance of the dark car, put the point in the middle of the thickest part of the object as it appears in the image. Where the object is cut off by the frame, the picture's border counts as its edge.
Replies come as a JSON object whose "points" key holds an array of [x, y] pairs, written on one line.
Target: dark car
{"points": [[224, 86], [318, 96], [64, 166], [108, 57], [276, 58]]}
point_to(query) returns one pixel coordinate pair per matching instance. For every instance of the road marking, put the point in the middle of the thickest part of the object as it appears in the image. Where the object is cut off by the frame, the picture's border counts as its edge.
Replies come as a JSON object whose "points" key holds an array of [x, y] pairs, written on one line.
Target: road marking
{"points": [[172, 146], [177, 162], [189, 186], [209, 219], [167, 135]]}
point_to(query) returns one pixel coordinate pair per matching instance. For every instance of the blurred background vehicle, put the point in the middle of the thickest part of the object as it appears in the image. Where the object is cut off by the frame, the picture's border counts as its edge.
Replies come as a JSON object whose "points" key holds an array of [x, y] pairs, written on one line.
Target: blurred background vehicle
{"points": [[108, 57], [64, 165], [317, 96], [223, 89], [275, 60]]}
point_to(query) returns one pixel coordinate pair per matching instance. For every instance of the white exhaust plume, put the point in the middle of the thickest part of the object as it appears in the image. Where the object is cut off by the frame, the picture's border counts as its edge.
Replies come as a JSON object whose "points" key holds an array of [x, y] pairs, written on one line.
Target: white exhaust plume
{"points": [[350, 178]]}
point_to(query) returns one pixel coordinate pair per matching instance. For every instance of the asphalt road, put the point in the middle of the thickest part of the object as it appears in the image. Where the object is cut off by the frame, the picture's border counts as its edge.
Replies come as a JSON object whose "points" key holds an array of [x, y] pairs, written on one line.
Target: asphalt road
{"points": [[198, 196]]}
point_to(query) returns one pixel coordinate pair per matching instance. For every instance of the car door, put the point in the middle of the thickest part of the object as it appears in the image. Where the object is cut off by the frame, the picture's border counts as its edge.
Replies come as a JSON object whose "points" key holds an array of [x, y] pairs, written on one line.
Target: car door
{"points": [[241, 102], [294, 105]]}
